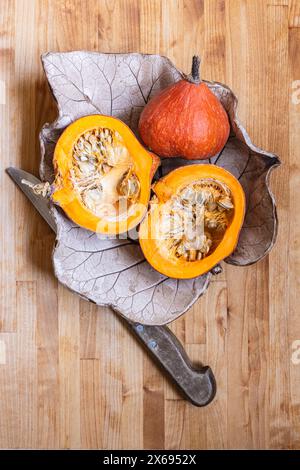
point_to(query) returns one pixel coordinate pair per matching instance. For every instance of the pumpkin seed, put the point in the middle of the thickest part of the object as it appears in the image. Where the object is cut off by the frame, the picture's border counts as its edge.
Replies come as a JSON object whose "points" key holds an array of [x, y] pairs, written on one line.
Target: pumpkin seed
{"points": [[129, 186], [225, 203]]}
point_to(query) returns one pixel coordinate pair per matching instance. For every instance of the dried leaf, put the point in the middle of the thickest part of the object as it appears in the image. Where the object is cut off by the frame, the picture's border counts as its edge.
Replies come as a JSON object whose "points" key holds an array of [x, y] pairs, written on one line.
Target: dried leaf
{"points": [[114, 272]]}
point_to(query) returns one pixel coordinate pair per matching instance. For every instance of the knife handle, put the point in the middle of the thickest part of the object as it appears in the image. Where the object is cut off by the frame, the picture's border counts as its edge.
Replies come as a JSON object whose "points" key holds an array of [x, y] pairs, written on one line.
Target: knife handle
{"points": [[197, 384]]}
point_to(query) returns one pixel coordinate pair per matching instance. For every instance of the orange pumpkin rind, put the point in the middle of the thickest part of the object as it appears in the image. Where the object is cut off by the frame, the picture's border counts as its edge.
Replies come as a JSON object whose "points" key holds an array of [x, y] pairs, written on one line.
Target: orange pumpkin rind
{"points": [[185, 120]]}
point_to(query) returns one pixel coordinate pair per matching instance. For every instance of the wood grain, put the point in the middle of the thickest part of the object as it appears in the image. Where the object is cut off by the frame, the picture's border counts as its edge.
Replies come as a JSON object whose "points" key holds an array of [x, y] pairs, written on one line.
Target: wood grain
{"points": [[71, 374]]}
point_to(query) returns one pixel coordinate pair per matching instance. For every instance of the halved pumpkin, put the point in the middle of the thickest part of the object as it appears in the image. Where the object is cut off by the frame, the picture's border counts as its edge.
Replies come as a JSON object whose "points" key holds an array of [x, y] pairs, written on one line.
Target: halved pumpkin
{"points": [[194, 220], [103, 175]]}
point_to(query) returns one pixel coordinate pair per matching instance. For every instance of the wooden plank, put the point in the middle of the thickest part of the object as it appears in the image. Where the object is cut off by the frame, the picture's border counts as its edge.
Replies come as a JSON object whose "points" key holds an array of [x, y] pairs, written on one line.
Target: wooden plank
{"points": [[278, 106], [248, 380], [27, 158], [9, 422], [70, 22], [178, 327], [175, 418], [171, 30], [238, 360], [294, 227], [69, 369], [294, 14], [182, 31], [185, 425], [246, 59], [8, 315], [112, 389], [2, 352], [90, 404], [153, 405], [194, 431], [214, 39], [45, 109], [237, 40], [111, 380], [217, 358], [191, 39], [195, 321], [90, 330], [259, 360], [47, 344], [131, 363], [150, 26], [26, 354], [277, 3]]}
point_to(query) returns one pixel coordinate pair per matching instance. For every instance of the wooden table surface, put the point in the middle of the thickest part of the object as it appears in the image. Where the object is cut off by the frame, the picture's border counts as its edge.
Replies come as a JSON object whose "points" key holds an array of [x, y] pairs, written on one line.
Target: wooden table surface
{"points": [[71, 375]]}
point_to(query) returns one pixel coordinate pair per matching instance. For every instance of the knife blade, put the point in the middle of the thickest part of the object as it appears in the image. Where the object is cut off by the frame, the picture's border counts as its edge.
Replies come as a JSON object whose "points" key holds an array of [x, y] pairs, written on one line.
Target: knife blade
{"points": [[198, 385], [20, 177]]}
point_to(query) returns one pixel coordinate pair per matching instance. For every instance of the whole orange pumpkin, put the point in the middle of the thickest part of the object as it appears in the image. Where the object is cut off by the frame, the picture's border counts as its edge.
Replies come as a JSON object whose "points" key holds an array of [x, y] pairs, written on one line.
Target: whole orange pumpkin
{"points": [[186, 119]]}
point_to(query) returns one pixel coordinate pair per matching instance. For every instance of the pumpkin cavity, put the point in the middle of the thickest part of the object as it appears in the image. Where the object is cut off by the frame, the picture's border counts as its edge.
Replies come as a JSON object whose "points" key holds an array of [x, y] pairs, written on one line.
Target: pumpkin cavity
{"points": [[194, 220], [102, 173]]}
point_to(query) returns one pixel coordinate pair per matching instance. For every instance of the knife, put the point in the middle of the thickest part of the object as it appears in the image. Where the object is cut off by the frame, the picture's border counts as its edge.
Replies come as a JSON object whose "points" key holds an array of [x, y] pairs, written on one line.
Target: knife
{"points": [[198, 385]]}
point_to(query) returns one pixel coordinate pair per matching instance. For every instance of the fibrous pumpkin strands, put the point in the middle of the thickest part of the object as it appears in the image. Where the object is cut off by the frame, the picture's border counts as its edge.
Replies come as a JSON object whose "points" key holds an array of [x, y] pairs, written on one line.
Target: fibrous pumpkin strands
{"points": [[195, 219]]}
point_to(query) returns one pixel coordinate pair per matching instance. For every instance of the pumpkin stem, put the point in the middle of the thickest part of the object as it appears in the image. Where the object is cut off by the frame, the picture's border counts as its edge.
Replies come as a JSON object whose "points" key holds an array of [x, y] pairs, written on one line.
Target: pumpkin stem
{"points": [[194, 76]]}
